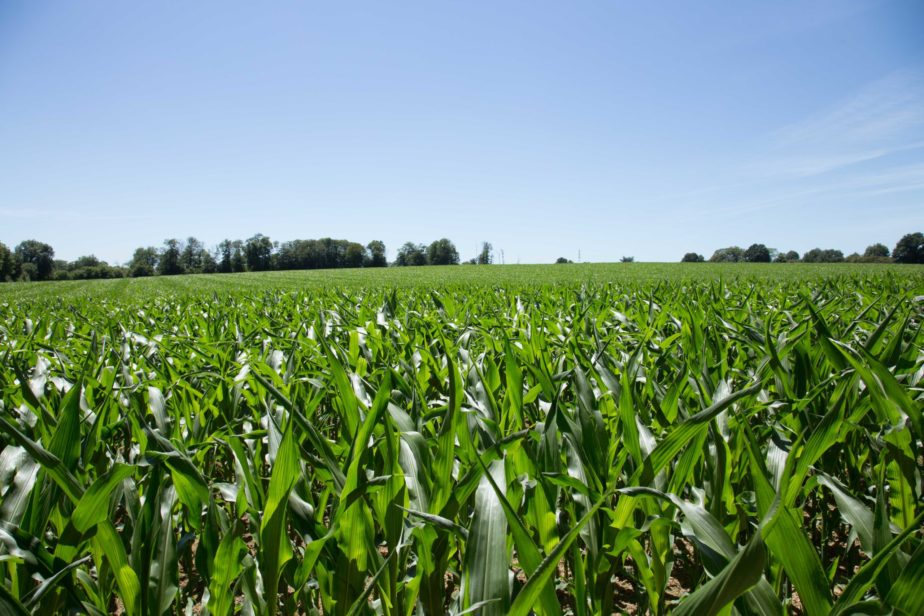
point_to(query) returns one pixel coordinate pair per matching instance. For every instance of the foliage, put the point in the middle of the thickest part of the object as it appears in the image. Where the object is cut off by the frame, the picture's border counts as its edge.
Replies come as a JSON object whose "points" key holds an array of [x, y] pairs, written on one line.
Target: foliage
{"points": [[168, 261], [876, 250], [692, 257], [757, 253], [439, 252], [258, 253], [857, 258], [87, 267], [10, 265], [196, 259], [411, 254], [37, 259], [230, 257], [324, 253], [376, 255], [732, 254], [819, 255], [486, 256], [787, 257], [492, 440], [910, 249], [144, 262], [442, 252]]}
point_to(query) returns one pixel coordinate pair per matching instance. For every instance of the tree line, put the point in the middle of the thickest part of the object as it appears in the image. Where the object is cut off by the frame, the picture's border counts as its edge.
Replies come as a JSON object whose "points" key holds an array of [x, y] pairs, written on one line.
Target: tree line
{"points": [[909, 249], [35, 260], [256, 254]]}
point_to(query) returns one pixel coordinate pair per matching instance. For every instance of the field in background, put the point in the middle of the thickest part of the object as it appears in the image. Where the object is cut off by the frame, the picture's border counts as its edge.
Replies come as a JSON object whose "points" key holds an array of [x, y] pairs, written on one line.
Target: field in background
{"points": [[499, 275], [561, 439]]}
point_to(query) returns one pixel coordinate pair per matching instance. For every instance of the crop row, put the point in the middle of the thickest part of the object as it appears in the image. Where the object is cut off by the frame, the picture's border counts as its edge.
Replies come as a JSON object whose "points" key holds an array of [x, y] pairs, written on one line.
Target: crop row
{"points": [[664, 446]]}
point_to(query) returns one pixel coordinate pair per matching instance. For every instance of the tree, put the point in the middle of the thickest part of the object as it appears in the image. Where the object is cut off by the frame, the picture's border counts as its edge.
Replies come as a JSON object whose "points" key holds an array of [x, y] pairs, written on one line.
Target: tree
{"points": [[85, 261], [87, 267], [627, 260], [909, 249], [732, 254], [327, 253], [37, 258], [486, 256], [757, 253], [874, 253], [193, 257], [354, 255], [376, 255], [208, 263], [223, 256], [563, 260], [229, 257], [411, 254], [787, 257], [169, 262], [258, 252], [692, 257], [442, 252], [238, 263], [9, 264], [819, 255], [876, 250], [144, 262]]}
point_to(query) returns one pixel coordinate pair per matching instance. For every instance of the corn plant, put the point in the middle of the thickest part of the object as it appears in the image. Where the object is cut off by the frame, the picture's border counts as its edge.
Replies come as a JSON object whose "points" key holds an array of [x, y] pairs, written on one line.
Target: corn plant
{"points": [[690, 444]]}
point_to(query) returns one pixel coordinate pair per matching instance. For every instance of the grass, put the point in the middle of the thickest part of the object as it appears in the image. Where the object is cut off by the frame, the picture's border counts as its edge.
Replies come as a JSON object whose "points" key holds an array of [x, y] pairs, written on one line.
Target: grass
{"points": [[584, 439]]}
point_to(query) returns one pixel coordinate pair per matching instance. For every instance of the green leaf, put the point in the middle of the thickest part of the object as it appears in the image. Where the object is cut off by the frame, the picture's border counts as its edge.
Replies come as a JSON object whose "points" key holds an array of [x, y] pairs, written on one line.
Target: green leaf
{"points": [[53, 465], [93, 507], [882, 384], [163, 580], [486, 569], [65, 442], [129, 587], [855, 513], [742, 573], [866, 576], [191, 487], [689, 429], [789, 543], [225, 570], [10, 605], [536, 583], [907, 594], [275, 549], [527, 550]]}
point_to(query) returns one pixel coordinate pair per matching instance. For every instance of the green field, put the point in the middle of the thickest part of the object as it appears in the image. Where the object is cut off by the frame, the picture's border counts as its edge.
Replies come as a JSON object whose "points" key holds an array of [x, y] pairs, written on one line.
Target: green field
{"points": [[567, 439], [451, 277]]}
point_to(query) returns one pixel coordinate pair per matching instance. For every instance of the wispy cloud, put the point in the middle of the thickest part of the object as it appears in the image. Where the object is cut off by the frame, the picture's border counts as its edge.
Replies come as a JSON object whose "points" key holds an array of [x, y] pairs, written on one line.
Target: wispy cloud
{"points": [[897, 179], [884, 118], [860, 185], [866, 146], [882, 109]]}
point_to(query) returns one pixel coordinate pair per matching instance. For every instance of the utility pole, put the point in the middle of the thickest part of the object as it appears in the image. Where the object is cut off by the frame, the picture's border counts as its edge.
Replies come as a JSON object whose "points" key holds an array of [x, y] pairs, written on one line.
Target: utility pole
{"points": [[502, 257]]}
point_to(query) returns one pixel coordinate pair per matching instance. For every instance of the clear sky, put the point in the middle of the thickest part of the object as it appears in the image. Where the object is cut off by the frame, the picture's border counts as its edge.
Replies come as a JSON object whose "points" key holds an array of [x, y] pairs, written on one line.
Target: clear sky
{"points": [[612, 127]]}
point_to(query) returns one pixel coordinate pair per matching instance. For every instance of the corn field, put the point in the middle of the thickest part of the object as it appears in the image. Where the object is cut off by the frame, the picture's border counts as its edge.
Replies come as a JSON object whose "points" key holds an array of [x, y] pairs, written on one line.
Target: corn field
{"points": [[681, 444]]}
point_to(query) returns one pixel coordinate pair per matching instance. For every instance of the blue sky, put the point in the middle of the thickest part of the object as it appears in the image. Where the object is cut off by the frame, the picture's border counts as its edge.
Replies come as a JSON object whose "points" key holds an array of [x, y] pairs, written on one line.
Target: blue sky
{"points": [[613, 128]]}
